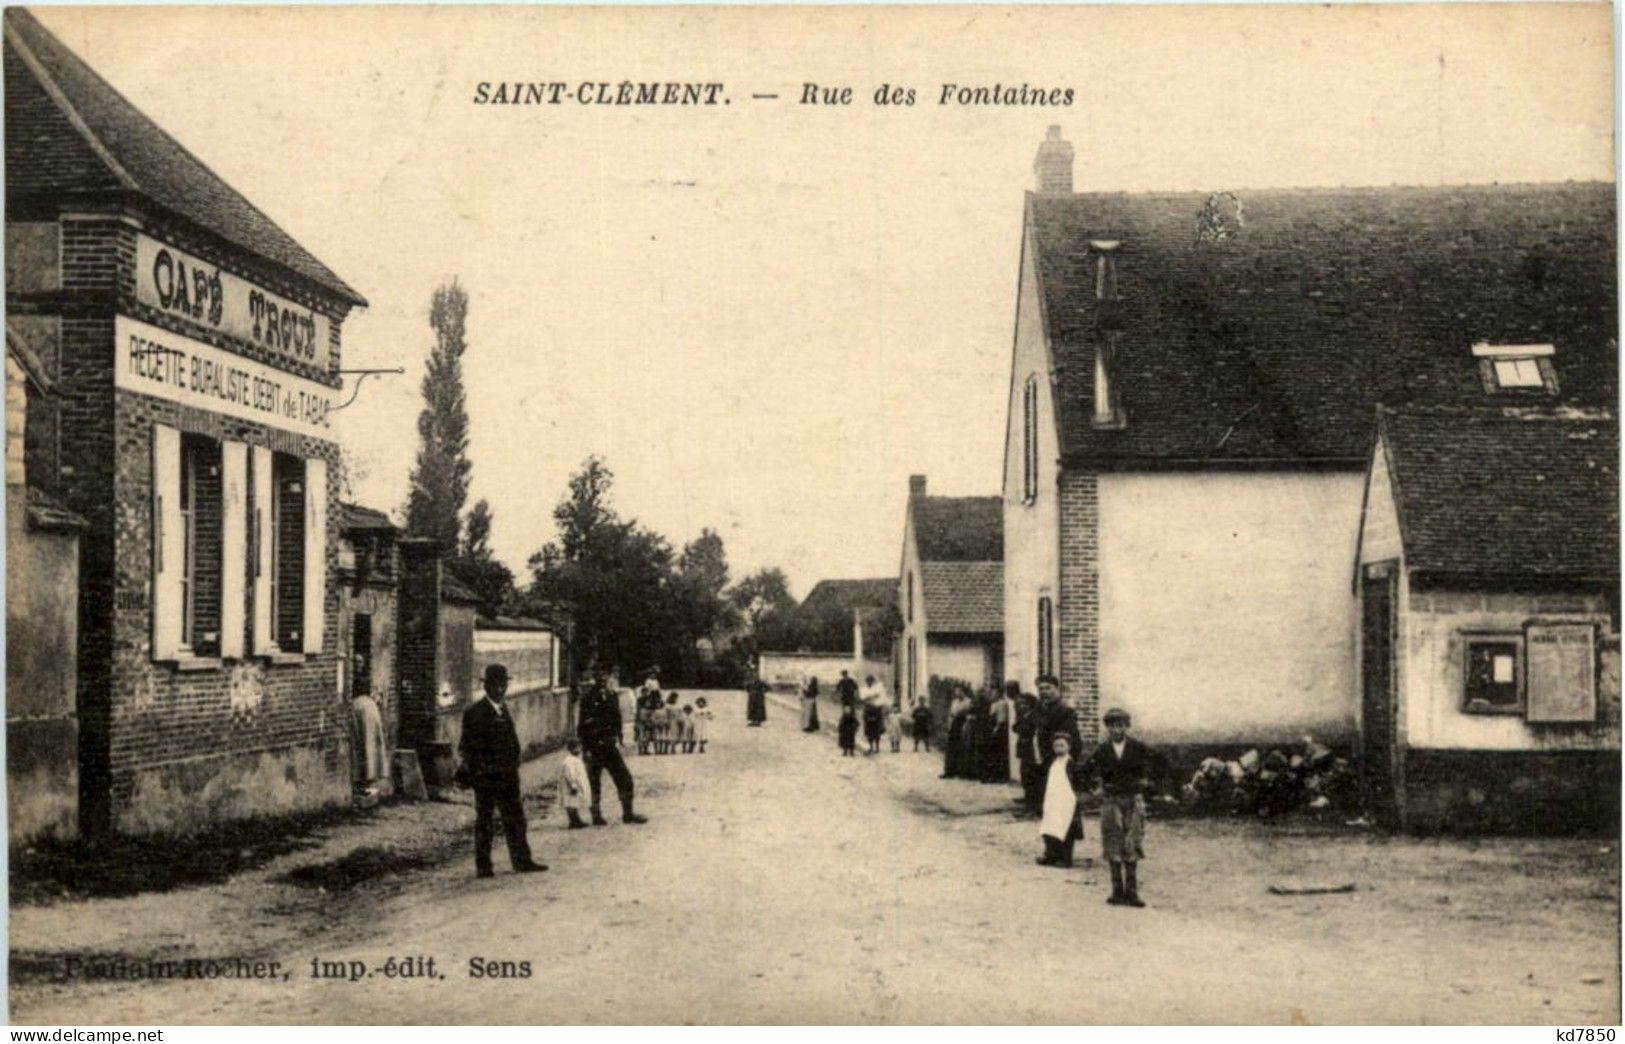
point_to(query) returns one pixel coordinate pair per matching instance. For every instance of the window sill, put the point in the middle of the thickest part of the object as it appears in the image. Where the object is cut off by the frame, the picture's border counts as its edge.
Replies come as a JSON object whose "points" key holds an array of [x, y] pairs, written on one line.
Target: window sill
{"points": [[188, 664], [1489, 710], [284, 659]]}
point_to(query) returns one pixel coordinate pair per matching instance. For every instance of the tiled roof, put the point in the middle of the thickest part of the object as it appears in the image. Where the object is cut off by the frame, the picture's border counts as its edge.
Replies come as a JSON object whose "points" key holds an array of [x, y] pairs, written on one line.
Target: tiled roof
{"points": [[959, 529], [69, 132], [1506, 493], [454, 590], [354, 517], [1278, 339], [846, 595], [963, 597]]}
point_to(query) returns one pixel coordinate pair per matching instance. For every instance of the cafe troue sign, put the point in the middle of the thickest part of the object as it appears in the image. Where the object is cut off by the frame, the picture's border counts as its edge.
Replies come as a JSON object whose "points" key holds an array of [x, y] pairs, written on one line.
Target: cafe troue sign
{"points": [[179, 284]]}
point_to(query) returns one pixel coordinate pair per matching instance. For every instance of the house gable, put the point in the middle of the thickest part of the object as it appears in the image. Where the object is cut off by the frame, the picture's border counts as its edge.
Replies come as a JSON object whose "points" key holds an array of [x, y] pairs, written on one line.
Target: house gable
{"points": [[1032, 509]]}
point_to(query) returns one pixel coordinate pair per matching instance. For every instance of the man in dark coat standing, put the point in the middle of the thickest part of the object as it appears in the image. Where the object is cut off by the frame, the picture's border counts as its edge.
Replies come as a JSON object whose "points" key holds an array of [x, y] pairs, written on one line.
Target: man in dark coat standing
{"points": [[847, 690], [1025, 727], [1054, 718], [490, 764], [598, 726]]}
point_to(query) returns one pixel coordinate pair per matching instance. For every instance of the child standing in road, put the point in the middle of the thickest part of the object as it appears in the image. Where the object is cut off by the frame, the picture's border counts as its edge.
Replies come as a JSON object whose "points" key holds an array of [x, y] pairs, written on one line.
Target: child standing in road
{"points": [[702, 723], [1062, 825], [687, 724], [1125, 769], [574, 793], [894, 727], [848, 732]]}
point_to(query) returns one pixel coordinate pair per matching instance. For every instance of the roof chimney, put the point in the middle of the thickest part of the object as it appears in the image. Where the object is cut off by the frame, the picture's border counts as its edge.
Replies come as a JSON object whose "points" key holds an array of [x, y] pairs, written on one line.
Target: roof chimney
{"points": [[916, 487], [1053, 166]]}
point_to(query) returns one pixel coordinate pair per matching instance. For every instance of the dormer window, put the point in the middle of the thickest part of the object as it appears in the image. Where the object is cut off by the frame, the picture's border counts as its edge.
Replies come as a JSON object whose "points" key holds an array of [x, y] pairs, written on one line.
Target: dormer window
{"points": [[1516, 368]]}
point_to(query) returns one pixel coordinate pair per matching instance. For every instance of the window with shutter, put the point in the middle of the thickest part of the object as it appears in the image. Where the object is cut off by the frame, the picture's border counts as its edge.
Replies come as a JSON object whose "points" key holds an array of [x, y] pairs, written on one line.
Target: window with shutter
{"points": [[287, 533], [168, 544], [1493, 674], [201, 517], [314, 584], [1046, 648], [262, 543], [233, 548]]}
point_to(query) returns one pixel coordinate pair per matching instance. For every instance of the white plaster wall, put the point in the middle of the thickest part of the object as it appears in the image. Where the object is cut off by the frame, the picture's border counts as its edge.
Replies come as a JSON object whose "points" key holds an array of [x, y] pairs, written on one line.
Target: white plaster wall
{"points": [[788, 670], [965, 660], [1226, 607], [1434, 661], [1379, 539], [914, 628], [1031, 531]]}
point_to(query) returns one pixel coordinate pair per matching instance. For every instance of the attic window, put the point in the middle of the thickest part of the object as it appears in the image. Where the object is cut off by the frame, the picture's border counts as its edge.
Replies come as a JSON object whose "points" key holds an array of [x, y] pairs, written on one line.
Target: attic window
{"points": [[1516, 368]]}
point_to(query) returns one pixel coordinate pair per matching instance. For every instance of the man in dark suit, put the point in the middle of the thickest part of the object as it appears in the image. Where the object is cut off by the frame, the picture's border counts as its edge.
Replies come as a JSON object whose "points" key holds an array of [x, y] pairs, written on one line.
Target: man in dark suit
{"points": [[1054, 718], [1026, 724], [490, 756], [598, 726]]}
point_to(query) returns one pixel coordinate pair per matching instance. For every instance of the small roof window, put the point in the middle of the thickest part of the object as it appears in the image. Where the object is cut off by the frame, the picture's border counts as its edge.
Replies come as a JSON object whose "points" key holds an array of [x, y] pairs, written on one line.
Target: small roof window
{"points": [[1516, 368]]}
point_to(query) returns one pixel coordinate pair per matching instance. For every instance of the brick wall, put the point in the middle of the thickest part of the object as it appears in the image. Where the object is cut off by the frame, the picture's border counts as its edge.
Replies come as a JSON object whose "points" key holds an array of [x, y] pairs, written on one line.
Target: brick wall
{"points": [[162, 749], [239, 710], [1078, 611], [417, 641], [98, 258]]}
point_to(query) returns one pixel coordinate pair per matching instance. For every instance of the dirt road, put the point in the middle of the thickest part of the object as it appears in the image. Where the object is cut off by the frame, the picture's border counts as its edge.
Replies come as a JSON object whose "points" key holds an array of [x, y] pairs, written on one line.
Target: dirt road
{"points": [[778, 882]]}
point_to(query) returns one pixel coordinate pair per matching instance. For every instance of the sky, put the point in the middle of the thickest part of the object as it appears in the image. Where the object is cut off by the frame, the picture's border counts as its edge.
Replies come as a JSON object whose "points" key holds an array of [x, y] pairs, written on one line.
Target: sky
{"points": [[764, 315]]}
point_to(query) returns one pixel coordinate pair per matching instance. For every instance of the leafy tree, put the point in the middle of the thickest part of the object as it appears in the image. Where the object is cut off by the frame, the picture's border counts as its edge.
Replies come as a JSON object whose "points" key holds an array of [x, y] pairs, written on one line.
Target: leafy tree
{"points": [[767, 608], [476, 566], [614, 576], [439, 480]]}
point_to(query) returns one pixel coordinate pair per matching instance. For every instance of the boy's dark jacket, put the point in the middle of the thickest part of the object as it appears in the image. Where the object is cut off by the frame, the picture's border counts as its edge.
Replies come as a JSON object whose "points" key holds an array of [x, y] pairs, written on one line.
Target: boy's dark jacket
{"points": [[1134, 773]]}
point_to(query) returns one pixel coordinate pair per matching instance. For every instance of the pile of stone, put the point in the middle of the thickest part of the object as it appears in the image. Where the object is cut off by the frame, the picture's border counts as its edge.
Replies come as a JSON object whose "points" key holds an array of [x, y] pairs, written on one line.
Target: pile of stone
{"points": [[1276, 783]]}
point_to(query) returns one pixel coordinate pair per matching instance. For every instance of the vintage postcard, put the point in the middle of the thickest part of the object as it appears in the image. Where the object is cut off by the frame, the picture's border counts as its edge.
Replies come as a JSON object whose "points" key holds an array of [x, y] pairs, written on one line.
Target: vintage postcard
{"points": [[812, 515]]}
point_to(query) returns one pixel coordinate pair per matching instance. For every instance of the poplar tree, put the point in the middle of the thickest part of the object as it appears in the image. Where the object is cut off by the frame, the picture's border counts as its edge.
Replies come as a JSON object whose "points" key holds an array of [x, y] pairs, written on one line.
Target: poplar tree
{"points": [[439, 481]]}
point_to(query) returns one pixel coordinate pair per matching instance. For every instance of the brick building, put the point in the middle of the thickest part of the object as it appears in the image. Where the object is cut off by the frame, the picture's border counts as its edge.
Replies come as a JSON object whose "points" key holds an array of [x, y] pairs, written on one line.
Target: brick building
{"points": [[1191, 397], [195, 350]]}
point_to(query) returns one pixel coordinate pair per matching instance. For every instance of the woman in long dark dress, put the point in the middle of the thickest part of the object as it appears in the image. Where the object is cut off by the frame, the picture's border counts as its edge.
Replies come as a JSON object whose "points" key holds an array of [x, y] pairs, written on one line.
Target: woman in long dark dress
{"points": [[997, 766], [978, 738], [756, 704], [809, 705], [954, 761]]}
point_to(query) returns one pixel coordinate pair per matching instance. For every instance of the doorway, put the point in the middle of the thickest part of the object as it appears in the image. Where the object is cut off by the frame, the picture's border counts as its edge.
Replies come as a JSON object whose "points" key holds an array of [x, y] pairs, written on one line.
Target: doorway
{"points": [[1379, 737]]}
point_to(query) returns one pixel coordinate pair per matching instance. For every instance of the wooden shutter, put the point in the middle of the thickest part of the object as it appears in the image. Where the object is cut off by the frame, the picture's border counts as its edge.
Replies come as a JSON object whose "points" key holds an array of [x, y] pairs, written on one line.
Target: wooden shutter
{"points": [[168, 543], [264, 643], [315, 579], [1561, 664], [233, 545]]}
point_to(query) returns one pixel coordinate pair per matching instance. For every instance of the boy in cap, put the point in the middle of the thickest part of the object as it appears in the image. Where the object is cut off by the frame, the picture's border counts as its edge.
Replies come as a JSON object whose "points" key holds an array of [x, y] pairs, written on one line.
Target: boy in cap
{"points": [[1124, 767]]}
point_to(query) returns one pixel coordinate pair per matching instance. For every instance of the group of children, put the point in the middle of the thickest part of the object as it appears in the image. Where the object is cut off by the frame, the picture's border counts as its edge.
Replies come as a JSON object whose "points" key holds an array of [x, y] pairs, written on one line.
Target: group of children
{"points": [[666, 726]]}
